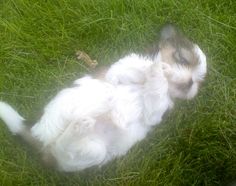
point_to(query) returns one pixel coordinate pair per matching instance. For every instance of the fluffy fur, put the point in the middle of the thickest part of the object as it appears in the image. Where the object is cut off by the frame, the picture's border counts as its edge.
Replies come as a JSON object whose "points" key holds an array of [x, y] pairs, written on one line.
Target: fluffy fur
{"points": [[98, 120]]}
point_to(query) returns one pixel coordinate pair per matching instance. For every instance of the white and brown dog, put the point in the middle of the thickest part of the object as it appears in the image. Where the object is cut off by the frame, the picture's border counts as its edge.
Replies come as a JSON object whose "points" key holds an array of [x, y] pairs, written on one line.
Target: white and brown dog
{"points": [[98, 120]]}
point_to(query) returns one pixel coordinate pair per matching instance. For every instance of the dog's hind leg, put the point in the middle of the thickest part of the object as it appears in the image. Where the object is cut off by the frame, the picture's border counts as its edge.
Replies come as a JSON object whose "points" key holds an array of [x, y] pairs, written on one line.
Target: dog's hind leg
{"points": [[77, 148]]}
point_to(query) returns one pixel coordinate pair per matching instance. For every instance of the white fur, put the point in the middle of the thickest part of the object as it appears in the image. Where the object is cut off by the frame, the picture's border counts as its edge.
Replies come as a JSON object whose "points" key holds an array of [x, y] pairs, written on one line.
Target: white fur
{"points": [[91, 98], [201, 71], [96, 121], [129, 70], [12, 119]]}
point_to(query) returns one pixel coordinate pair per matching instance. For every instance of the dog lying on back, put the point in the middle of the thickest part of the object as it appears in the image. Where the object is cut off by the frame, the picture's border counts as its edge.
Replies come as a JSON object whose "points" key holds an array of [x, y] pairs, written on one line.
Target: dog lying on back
{"points": [[97, 120]]}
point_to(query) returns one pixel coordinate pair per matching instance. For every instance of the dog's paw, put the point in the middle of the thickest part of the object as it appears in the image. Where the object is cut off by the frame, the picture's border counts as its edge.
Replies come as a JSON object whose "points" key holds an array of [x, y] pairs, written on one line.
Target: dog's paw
{"points": [[166, 69], [84, 124]]}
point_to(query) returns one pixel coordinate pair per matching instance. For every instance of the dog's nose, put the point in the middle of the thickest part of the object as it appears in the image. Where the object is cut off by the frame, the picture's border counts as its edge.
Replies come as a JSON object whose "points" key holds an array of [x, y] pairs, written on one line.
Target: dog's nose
{"points": [[190, 83]]}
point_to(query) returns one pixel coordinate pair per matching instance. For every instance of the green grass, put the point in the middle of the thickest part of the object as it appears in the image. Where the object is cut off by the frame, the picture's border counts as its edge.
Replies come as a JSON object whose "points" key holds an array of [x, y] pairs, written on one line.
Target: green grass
{"points": [[196, 143]]}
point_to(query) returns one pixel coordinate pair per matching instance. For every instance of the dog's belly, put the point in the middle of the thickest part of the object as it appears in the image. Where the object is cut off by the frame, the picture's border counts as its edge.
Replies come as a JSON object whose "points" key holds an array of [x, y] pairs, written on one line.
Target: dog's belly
{"points": [[89, 99], [119, 140], [123, 126]]}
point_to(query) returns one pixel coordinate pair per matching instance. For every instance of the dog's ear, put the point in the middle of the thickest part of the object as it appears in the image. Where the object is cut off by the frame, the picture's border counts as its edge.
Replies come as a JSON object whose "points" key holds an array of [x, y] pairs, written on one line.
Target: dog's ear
{"points": [[168, 32]]}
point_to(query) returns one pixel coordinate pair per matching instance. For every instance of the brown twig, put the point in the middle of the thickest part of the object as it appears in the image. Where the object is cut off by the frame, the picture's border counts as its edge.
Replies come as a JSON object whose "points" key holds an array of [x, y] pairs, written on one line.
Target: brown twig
{"points": [[85, 57]]}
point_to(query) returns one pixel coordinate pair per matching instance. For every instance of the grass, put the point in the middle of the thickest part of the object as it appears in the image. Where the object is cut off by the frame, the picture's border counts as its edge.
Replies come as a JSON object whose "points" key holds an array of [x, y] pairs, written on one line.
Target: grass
{"points": [[196, 143]]}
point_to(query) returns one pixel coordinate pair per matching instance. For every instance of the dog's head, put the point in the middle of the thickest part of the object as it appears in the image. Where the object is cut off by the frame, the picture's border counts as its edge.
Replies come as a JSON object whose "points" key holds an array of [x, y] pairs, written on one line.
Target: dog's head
{"points": [[183, 62]]}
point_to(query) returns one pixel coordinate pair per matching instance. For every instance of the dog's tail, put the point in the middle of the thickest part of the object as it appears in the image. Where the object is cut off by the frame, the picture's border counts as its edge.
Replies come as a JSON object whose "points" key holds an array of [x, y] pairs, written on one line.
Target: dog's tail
{"points": [[15, 122]]}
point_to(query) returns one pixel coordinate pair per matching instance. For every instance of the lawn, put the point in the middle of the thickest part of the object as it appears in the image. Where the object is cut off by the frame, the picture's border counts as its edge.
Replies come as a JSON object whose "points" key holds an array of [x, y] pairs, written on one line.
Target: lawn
{"points": [[196, 142]]}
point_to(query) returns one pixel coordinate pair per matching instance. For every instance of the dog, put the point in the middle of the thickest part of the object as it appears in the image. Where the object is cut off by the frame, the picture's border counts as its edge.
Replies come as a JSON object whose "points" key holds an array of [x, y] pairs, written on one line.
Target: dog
{"points": [[98, 120]]}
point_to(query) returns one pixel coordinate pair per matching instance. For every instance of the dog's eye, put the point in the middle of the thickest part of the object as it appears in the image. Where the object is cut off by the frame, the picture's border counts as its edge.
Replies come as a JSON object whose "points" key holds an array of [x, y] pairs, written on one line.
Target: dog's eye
{"points": [[179, 58], [184, 61]]}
